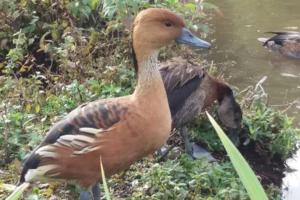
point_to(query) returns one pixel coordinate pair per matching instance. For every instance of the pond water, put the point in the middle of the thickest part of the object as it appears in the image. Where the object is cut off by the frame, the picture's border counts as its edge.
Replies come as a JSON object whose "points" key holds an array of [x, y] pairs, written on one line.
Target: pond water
{"points": [[243, 59], [291, 183]]}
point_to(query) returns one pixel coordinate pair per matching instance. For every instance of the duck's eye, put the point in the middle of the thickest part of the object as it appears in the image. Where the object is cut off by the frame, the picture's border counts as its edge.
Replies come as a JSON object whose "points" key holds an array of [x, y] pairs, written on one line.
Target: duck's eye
{"points": [[168, 24]]}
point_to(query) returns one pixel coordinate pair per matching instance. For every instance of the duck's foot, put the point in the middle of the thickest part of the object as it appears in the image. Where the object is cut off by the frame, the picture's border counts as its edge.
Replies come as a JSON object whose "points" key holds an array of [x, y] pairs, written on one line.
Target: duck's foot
{"points": [[194, 150], [91, 195], [84, 195], [199, 152]]}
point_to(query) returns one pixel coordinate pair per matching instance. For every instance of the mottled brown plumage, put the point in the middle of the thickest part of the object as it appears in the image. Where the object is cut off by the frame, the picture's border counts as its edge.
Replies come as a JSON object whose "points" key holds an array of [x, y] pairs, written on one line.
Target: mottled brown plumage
{"points": [[190, 90], [119, 130]]}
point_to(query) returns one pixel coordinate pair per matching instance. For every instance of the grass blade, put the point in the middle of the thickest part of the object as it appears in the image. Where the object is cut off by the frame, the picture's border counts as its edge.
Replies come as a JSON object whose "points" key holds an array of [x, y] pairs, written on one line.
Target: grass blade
{"points": [[246, 174], [18, 191], [106, 190]]}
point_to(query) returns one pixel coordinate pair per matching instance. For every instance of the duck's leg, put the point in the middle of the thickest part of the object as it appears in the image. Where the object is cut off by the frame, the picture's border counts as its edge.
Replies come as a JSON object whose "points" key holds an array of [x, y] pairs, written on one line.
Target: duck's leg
{"points": [[96, 192], [194, 150], [187, 144], [85, 194]]}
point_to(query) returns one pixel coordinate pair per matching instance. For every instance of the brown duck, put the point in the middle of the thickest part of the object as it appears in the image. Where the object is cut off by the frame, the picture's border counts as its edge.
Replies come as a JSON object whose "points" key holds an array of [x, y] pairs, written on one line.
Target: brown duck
{"points": [[121, 130], [286, 43]]}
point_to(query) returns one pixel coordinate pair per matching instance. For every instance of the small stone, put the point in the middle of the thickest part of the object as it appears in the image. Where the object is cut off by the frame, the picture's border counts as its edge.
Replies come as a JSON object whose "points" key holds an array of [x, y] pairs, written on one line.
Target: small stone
{"points": [[44, 185], [53, 197], [135, 183]]}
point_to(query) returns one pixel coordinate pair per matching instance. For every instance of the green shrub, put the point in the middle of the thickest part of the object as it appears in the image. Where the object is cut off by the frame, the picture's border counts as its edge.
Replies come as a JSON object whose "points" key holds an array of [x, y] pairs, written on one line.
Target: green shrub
{"points": [[272, 130]]}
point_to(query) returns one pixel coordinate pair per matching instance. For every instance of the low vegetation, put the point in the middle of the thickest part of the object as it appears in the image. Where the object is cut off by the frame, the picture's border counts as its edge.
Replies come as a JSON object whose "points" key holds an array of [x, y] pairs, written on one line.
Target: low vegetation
{"points": [[56, 55]]}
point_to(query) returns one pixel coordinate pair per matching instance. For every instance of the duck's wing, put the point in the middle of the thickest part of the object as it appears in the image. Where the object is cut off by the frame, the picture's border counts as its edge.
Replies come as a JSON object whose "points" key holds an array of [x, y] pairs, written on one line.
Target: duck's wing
{"points": [[75, 133], [181, 78], [280, 37]]}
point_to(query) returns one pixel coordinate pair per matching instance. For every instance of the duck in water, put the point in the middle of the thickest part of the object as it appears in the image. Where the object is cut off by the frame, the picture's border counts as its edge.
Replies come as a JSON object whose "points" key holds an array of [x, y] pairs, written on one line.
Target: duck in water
{"points": [[286, 43]]}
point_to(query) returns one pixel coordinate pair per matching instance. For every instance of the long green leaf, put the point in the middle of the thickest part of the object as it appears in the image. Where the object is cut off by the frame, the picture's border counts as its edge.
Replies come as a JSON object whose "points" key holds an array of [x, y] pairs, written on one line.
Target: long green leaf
{"points": [[246, 174], [106, 190], [18, 192]]}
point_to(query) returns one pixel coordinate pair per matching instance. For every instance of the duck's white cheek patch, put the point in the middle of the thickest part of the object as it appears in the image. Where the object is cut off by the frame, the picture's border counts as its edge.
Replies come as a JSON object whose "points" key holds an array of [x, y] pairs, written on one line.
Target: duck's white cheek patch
{"points": [[39, 172]]}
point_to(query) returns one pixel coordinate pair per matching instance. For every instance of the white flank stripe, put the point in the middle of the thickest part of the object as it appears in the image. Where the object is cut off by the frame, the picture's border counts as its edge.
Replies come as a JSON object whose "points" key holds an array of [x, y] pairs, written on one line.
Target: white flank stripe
{"points": [[78, 144], [90, 130], [84, 138], [47, 154], [67, 137], [263, 40], [45, 149], [85, 150]]}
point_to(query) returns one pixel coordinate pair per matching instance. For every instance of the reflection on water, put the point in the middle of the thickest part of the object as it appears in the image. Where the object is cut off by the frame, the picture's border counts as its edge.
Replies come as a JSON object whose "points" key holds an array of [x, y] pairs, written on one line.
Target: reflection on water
{"points": [[243, 58], [293, 181]]}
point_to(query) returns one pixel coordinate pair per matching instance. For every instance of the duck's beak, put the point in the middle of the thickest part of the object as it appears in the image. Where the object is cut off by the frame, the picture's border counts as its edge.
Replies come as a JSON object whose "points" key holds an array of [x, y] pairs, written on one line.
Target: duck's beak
{"points": [[188, 38], [233, 134]]}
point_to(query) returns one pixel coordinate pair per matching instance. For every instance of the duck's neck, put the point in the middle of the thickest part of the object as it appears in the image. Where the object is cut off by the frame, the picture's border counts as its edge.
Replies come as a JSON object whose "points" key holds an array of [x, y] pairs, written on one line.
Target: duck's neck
{"points": [[222, 91], [218, 91], [149, 78]]}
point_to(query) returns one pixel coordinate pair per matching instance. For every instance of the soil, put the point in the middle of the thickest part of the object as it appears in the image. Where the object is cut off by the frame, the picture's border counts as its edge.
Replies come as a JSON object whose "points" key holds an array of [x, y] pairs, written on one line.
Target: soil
{"points": [[271, 171]]}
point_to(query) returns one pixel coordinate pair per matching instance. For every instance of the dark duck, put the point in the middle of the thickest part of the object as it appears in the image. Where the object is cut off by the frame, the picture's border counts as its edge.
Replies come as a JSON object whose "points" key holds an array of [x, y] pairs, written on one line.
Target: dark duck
{"points": [[190, 90], [286, 43]]}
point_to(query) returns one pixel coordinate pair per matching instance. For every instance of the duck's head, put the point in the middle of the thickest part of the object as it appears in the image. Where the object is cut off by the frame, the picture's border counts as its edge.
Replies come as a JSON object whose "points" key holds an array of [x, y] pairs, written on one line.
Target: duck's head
{"points": [[154, 28], [230, 114]]}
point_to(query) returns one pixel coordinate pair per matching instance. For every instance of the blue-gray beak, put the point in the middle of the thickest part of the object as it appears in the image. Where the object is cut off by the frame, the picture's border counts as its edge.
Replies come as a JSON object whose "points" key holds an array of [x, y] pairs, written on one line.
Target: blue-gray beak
{"points": [[186, 37]]}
